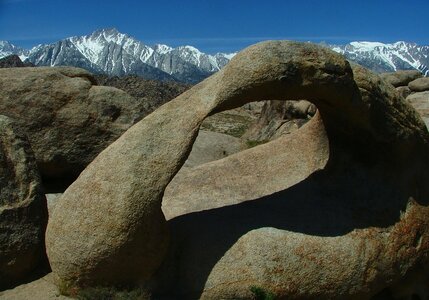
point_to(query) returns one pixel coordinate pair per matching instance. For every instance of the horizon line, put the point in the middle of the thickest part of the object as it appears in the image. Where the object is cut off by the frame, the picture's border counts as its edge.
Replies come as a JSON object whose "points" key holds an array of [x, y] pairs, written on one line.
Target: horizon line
{"points": [[45, 39]]}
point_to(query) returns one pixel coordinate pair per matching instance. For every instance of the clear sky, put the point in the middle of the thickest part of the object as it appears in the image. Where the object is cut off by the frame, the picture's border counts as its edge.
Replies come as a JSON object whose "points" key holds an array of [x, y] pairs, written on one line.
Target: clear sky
{"points": [[217, 26]]}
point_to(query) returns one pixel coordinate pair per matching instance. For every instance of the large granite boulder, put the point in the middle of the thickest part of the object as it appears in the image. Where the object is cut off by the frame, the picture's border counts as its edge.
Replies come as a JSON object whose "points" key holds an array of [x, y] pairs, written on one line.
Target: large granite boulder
{"points": [[23, 211], [350, 230], [419, 84], [401, 78], [67, 118]]}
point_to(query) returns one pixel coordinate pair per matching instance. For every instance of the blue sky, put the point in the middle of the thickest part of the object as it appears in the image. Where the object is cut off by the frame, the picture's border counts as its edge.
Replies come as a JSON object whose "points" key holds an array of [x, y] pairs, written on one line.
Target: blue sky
{"points": [[220, 25]]}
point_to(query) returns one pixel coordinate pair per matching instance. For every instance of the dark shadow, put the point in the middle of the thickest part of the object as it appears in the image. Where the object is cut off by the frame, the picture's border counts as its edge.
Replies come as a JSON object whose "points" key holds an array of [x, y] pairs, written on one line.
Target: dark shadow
{"points": [[327, 203], [58, 184], [41, 270]]}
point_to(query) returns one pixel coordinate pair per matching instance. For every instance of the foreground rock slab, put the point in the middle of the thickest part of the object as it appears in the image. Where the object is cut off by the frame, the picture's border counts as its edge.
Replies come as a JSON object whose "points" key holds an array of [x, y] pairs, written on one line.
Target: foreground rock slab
{"points": [[23, 210], [210, 146], [248, 175], [41, 289], [367, 208]]}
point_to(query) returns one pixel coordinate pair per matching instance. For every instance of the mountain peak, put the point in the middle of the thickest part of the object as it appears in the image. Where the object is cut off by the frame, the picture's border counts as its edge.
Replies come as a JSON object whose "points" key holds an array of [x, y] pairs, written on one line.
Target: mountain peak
{"points": [[106, 31], [190, 48], [366, 46], [114, 53], [162, 49]]}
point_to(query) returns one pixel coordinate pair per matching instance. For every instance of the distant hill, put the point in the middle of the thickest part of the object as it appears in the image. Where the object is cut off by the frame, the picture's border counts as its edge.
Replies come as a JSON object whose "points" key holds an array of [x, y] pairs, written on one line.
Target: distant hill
{"points": [[13, 61], [153, 93]]}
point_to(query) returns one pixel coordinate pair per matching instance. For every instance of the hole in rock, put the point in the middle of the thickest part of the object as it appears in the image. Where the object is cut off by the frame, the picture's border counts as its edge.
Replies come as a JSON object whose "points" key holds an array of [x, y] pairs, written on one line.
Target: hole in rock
{"points": [[303, 183], [252, 124], [233, 131]]}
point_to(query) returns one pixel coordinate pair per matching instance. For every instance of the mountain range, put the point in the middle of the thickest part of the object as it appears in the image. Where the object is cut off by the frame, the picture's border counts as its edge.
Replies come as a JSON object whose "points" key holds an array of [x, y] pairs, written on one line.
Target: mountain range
{"points": [[110, 52]]}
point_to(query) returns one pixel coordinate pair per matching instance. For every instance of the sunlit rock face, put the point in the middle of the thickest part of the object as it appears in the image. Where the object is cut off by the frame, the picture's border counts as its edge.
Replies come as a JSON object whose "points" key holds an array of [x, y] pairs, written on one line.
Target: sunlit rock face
{"points": [[350, 223]]}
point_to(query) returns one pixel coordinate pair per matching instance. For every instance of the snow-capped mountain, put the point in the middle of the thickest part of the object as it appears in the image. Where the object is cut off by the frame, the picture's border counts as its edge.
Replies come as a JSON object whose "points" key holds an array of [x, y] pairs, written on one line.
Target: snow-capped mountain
{"points": [[111, 52], [381, 57], [7, 49]]}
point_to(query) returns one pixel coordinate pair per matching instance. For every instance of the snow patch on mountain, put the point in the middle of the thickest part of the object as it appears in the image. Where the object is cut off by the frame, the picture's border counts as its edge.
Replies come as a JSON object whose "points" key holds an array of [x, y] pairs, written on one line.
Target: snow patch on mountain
{"points": [[162, 49], [228, 55], [387, 57], [114, 53]]}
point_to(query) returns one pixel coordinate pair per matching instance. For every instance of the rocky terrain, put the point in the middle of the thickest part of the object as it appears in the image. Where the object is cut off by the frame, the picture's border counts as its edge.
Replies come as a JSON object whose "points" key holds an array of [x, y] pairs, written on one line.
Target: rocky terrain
{"points": [[414, 88], [153, 93], [333, 204]]}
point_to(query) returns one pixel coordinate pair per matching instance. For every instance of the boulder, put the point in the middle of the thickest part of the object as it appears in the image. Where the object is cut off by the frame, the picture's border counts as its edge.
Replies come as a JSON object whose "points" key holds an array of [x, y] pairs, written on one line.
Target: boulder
{"points": [[278, 118], [419, 84], [420, 101], [350, 230], [67, 118], [23, 211], [401, 78]]}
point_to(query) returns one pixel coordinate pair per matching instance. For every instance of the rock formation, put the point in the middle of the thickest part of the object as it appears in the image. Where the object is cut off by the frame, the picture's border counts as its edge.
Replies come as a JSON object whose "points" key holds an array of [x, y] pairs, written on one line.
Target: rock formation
{"points": [[67, 118], [23, 211], [278, 118], [415, 91], [401, 78], [151, 93], [13, 61], [347, 231], [250, 174]]}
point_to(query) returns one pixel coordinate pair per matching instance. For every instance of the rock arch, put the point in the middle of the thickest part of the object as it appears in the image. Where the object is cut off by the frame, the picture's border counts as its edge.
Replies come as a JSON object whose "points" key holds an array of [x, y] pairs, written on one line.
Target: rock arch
{"points": [[109, 228]]}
